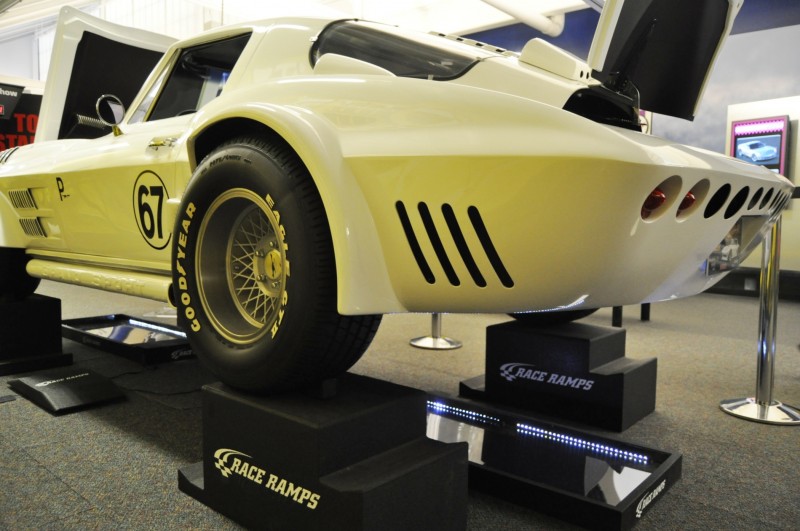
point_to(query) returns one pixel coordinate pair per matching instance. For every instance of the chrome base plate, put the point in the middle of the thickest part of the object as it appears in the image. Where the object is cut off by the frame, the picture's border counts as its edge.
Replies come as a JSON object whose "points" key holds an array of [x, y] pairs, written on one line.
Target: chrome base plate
{"points": [[435, 343], [774, 413]]}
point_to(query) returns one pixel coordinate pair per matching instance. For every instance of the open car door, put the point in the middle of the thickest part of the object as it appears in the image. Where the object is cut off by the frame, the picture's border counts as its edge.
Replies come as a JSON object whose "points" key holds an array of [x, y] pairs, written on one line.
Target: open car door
{"points": [[92, 57], [661, 52]]}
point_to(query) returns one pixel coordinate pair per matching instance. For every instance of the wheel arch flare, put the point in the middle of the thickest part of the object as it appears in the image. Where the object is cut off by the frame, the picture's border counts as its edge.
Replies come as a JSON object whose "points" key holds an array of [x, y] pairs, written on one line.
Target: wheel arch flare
{"points": [[363, 284]]}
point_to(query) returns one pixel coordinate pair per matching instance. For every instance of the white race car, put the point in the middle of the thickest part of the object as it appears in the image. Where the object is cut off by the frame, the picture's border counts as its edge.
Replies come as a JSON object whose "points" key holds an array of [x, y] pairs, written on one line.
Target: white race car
{"points": [[286, 182], [756, 151]]}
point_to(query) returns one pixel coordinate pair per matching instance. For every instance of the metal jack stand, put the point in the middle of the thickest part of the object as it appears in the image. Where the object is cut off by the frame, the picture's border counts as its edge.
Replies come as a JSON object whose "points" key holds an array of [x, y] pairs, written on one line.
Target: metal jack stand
{"points": [[763, 408], [435, 341]]}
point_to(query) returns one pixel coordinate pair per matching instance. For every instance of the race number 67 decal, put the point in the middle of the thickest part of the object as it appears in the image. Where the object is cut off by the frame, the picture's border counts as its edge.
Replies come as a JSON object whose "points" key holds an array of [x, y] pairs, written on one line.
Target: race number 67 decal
{"points": [[149, 197]]}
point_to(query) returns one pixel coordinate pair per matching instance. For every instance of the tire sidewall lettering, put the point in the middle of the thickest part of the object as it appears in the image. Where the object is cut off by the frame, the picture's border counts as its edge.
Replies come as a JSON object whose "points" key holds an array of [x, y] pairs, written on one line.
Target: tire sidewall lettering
{"points": [[266, 178], [183, 267], [281, 234], [188, 223]]}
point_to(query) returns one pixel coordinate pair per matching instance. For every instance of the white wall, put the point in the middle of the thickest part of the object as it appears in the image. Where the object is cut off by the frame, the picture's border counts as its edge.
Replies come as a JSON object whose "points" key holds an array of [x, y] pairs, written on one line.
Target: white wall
{"points": [[19, 57], [28, 55]]}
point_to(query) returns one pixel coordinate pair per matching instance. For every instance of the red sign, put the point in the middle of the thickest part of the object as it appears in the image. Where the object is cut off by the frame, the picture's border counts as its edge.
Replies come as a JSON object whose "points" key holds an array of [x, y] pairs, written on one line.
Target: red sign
{"points": [[2, 110]]}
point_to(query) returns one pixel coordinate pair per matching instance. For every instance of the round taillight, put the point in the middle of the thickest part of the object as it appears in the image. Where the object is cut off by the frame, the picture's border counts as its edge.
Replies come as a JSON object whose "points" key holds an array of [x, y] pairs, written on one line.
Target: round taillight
{"points": [[688, 201], [654, 201]]}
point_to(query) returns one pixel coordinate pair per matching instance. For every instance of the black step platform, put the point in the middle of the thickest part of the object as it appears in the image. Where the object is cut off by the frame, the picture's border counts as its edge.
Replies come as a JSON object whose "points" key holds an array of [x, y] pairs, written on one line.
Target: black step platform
{"points": [[575, 372], [357, 461], [30, 335]]}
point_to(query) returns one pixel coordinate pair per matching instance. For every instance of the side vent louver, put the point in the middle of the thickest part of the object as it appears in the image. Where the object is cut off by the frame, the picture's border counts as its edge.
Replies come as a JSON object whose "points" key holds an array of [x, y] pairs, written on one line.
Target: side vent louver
{"points": [[488, 247], [33, 227], [474, 233], [416, 250], [22, 199]]}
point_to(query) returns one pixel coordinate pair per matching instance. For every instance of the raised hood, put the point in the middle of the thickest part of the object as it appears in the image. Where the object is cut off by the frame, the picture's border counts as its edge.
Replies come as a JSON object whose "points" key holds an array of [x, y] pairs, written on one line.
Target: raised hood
{"points": [[92, 57], [661, 52]]}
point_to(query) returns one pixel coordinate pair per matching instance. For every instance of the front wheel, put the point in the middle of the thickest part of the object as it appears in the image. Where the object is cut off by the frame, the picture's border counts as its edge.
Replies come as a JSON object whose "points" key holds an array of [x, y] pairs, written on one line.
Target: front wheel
{"points": [[254, 272]]}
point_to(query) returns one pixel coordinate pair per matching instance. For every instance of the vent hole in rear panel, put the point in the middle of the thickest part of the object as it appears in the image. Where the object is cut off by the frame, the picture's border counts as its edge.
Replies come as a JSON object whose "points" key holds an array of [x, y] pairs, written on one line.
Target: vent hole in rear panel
{"points": [[766, 199], [776, 200], [717, 200], [755, 198], [737, 202]]}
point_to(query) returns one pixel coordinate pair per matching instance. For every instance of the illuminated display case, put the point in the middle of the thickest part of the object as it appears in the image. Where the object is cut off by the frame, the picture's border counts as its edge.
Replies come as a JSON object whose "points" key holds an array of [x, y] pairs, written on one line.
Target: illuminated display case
{"points": [[140, 340], [573, 474], [762, 141]]}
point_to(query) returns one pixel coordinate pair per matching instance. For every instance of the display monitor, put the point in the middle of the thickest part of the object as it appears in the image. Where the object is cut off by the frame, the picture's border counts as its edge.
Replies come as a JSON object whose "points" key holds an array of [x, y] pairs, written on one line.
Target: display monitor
{"points": [[762, 141]]}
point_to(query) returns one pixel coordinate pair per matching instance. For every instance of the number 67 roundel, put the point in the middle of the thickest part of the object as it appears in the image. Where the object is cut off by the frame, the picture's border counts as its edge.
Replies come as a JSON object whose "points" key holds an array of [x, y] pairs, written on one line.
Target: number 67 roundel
{"points": [[149, 195]]}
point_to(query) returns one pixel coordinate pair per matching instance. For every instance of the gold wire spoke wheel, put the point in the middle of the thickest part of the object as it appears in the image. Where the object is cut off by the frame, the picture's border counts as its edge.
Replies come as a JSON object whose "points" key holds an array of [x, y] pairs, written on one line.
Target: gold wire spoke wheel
{"points": [[241, 265], [231, 258]]}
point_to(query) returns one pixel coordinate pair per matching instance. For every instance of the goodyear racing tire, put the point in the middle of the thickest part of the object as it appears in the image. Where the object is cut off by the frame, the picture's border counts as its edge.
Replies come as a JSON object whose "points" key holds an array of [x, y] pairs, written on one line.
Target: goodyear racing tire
{"points": [[254, 276], [552, 318], [15, 283]]}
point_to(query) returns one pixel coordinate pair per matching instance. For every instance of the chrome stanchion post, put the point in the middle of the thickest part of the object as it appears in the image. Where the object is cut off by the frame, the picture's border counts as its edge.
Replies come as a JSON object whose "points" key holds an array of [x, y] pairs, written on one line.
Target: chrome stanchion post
{"points": [[762, 408], [768, 316], [435, 341]]}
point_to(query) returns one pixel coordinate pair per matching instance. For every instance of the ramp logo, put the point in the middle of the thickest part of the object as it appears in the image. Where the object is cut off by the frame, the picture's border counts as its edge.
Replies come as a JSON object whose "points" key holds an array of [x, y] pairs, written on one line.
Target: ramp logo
{"points": [[512, 371], [648, 498], [525, 371], [65, 379], [221, 456], [230, 462]]}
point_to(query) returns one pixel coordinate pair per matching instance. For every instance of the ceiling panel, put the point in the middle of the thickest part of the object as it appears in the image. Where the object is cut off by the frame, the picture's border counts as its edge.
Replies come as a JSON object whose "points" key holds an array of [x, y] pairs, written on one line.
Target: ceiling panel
{"points": [[450, 16]]}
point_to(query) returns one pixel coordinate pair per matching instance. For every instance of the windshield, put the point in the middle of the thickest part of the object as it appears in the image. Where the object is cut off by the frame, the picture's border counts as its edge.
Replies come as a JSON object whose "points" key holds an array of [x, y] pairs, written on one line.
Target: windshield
{"points": [[422, 56]]}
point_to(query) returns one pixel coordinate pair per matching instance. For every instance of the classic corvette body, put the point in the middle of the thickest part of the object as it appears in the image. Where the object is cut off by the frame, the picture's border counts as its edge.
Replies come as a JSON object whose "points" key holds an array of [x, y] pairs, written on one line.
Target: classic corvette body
{"points": [[284, 183]]}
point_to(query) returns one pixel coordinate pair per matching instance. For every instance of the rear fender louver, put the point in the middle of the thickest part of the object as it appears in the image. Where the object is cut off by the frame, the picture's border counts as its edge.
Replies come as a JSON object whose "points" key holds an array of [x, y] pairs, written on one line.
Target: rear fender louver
{"points": [[460, 236], [33, 227]]}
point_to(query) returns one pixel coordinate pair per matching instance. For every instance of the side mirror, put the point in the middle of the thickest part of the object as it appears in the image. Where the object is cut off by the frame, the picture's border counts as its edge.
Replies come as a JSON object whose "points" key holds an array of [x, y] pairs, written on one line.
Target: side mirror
{"points": [[110, 111]]}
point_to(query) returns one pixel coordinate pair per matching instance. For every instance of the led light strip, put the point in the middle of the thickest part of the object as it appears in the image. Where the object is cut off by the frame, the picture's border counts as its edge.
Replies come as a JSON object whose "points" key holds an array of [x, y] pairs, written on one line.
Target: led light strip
{"points": [[439, 407], [758, 127], [151, 326], [581, 443]]}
